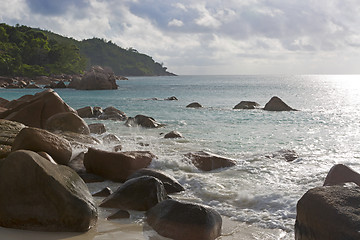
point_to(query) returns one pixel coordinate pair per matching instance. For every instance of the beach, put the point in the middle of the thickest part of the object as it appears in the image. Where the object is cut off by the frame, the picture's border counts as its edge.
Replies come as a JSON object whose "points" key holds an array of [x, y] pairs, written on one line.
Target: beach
{"points": [[257, 197]]}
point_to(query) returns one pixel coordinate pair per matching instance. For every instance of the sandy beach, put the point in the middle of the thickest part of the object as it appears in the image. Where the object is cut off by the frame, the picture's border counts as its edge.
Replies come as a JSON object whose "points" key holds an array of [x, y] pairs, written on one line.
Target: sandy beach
{"points": [[135, 228]]}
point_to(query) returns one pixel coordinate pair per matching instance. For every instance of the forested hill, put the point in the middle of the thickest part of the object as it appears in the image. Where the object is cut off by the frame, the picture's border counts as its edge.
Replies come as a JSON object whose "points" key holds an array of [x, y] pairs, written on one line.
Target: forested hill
{"points": [[26, 51]]}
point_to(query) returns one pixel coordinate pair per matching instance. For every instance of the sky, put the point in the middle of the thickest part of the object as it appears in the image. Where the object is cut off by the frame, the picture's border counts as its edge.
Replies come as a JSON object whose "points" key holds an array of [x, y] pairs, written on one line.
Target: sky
{"points": [[213, 36]]}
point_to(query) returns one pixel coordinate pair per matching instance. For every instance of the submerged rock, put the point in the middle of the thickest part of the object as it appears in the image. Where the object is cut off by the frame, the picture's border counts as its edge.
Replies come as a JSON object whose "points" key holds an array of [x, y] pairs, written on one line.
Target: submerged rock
{"points": [[173, 134], [276, 104], [139, 194], [328, 213], [111, 113], [184, 221], [143, 121], [170, 183], [208, 161], [97, 128], [247, 105], [38, 195]]}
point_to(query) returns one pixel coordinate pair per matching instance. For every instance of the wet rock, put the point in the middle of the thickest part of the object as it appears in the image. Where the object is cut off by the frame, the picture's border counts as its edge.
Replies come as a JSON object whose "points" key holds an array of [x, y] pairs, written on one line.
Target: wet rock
{"points": [[56, 198], [98, 78], [116, 166], [247, 105], [67, 122], [173, 134], [85, 112], [143, 121], [111, 113], [208, 161], [111, 138], [35, 110], [194, 105], [105, 192], [117, 148], [276, 104], [97, 128], [184, 221], [328, 213], [39, 140], [173, 98], [288, 155], [121, 214], [97, 111], [77, 139], [170, 183], [139, 194], [32, 86]]}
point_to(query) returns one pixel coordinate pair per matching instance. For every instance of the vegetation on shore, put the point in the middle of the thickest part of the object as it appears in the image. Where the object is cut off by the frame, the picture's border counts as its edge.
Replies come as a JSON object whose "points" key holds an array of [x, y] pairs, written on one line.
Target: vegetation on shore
{"points": [[30, 52]]}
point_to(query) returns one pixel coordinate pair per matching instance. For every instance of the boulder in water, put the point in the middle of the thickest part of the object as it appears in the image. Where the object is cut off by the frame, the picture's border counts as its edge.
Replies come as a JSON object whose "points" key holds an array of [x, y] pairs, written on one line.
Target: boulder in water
{"points": [[184, 221], [208, 161], [194, 105], [141, 194], [170, 183], [247, 105], [328, 213], [116, 166], [276, 104]]}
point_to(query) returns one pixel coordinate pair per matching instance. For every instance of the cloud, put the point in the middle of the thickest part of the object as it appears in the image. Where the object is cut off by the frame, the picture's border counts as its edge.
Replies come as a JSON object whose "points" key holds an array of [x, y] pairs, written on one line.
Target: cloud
{"points": [[176, 23], [258, 35], [54, 7]]}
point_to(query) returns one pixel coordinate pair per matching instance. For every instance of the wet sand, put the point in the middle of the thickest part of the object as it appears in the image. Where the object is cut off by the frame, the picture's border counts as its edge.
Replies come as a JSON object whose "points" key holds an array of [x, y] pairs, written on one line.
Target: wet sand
{"points": [[127, 230]]}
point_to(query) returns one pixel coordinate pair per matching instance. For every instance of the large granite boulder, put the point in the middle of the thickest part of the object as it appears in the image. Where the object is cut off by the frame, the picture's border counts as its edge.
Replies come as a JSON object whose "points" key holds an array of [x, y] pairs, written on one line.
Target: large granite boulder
{"points": [[247, 105], [116, 166], [143, 121], [170, 183], [98, 78], [328, 213], [8, 132], [35, 110], [39, 195], [112, 113], [276, 104], [40, 140], [208, 161], [139, 194], [67, 122], [184, 221]]}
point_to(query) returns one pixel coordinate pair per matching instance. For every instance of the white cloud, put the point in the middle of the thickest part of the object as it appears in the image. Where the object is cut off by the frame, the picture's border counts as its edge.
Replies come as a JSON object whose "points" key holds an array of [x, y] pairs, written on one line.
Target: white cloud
{"points": [[176, 23], [248, 36]]}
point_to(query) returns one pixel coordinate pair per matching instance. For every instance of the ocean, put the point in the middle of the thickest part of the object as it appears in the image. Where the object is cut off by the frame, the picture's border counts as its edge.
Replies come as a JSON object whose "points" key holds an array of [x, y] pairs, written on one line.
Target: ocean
{"points": [[263, 188]]}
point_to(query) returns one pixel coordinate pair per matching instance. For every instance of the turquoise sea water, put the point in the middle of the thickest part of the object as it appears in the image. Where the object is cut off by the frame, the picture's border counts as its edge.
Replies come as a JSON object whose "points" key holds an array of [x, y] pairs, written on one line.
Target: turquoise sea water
{"points": [[259, 190]]}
